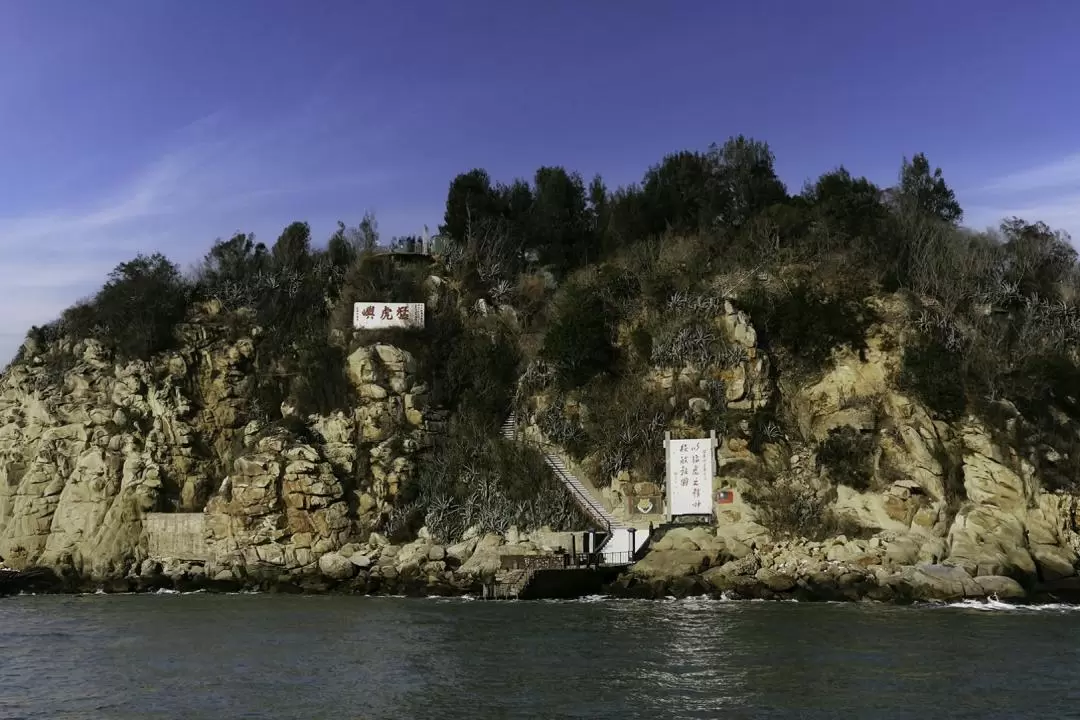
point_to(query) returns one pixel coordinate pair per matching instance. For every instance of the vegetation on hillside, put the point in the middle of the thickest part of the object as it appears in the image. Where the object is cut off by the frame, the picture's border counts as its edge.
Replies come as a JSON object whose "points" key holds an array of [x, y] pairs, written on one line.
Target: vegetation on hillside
{"points": [[608, 284], [643, 268]]}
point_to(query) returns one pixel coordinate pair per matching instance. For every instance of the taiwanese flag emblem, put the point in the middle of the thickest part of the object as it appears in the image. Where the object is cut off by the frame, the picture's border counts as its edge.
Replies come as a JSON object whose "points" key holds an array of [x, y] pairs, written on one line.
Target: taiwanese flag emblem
{"points": [[725, 497]]}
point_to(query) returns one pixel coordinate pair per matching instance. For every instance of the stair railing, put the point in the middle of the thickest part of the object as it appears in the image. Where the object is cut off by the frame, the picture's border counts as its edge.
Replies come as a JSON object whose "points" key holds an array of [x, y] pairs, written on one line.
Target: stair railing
{"points": [[584, 501]]}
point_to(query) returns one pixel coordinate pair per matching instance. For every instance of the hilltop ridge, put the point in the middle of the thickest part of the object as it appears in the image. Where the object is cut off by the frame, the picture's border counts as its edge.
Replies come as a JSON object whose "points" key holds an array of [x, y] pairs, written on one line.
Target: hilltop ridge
{"points": [[876, 373]]}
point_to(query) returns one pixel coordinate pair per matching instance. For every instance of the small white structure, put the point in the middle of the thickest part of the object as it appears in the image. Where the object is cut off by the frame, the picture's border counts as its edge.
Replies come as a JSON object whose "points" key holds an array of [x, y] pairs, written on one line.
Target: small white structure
{"points": [[691, 465], [380, 315]]}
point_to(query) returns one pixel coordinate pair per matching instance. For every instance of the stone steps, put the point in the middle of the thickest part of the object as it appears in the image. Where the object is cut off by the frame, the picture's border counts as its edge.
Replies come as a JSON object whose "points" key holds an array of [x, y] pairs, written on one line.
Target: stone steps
{"points": [[509, 585]]}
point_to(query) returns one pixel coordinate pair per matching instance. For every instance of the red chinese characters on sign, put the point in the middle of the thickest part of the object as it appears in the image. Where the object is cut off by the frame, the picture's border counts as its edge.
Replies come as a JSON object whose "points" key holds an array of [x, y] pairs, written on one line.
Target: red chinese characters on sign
{"points": [[378, 315]]}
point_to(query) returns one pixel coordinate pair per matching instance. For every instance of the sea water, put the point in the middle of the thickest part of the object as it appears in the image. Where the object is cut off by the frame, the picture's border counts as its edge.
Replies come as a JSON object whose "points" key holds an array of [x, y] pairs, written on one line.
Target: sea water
{"points": [[278, 656]]}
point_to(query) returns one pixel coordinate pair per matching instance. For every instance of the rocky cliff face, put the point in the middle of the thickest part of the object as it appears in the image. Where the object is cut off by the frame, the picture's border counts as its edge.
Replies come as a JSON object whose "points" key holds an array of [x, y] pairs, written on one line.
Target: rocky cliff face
{"points": [[948, 509], [942, 509], [86, 454]]}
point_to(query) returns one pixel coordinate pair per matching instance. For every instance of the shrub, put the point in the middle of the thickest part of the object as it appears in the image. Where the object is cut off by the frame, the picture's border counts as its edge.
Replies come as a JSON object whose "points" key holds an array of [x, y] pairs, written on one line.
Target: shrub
{"points": [[794, 509], [561, 428], [321, 384], [625, 427], [1047, 392], [691, 342], [473, 365], [475, 480], [234, 272], [579, 344], [809, 323], [642, 342], [136, 312], [1050, 380], [765, 426], [935, 376], [618, 288], [531, 297], [848, 456]]}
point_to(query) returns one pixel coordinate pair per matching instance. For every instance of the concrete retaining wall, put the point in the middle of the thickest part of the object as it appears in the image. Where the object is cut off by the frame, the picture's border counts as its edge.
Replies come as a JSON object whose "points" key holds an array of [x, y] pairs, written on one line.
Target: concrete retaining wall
{"points": [[176, 535]]}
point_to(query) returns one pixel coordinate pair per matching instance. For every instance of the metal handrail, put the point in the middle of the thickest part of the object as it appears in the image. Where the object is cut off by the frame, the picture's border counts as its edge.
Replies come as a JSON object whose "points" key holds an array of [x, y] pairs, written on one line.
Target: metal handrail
{"points": [[587, 503], [597, 511]]}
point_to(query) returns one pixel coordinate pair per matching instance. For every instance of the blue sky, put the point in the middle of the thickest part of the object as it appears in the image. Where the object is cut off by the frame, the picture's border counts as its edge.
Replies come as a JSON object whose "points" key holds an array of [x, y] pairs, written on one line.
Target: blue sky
{"points": [[132, 126]]}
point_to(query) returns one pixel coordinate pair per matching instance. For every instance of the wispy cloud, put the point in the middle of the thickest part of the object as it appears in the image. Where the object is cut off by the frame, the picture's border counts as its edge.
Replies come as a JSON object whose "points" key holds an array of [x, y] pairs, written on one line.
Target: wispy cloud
{"points": [[215, 167], [1054, 175], [1047, 192]]}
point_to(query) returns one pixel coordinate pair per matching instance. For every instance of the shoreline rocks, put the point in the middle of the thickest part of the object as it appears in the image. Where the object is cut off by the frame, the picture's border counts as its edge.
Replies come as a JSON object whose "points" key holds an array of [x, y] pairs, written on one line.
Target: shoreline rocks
{"points": [[695, 561], [686, 562]]}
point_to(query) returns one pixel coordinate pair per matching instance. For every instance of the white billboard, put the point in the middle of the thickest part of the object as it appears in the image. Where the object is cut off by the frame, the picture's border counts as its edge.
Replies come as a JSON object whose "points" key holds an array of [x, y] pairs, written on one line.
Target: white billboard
{"points": [[380, 315], [690, 469]]}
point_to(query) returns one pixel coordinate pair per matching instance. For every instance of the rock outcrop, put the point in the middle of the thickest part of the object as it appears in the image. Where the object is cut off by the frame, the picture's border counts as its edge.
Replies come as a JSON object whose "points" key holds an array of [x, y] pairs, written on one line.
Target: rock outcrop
{"points": [[943, 510], [86, 453], [949, 509], [421, 568]]}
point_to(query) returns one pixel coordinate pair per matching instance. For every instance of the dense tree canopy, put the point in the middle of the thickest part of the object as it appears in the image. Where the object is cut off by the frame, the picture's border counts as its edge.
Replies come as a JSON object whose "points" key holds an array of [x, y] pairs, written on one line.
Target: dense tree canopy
{"points": [[513, 242]]}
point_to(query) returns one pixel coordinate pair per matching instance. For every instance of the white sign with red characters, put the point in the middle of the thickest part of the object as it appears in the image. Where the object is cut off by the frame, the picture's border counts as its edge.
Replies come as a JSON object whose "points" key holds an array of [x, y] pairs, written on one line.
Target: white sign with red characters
{"points": [[380, 315], [690, 469]]}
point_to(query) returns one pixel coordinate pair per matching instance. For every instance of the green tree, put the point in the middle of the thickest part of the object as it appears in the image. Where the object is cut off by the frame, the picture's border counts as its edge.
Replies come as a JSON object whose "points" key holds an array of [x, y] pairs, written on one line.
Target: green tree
{"points": [[367, 232], [340, 249], [846, 205], [140, 304], [234, 260], [407, 243], [675, 194], [628, 218], [471, 199], [293, 248], [742, 181], [1039, 259], [513, 207], [579, 342], [559, 227], [598, 209], [927, 190]]}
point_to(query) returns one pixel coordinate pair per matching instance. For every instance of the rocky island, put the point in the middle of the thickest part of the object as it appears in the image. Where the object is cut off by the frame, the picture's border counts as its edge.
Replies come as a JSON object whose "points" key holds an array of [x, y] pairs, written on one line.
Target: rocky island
{"points": [[896, 397]]}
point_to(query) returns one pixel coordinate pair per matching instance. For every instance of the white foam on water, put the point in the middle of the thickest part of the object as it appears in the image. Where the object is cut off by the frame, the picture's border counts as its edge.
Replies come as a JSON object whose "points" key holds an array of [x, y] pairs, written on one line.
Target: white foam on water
{"points": [[993, 604], [444, 598]]}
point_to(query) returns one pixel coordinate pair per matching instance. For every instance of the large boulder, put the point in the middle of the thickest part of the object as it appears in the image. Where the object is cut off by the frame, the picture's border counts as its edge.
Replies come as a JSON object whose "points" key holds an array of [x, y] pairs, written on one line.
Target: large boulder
{"points": [[336, 567], [671, 564], [938, 582], [1002, 588]]}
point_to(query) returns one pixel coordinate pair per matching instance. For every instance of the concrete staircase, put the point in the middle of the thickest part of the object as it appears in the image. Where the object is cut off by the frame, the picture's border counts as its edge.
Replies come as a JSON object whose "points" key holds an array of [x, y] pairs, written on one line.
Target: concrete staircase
{"points": [[617, 546], [508, 585]]}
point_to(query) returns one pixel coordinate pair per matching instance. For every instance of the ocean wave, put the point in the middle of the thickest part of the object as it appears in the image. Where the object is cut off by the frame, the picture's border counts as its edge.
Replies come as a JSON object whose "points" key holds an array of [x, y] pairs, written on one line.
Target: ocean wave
{"points": [[992, 604]]}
